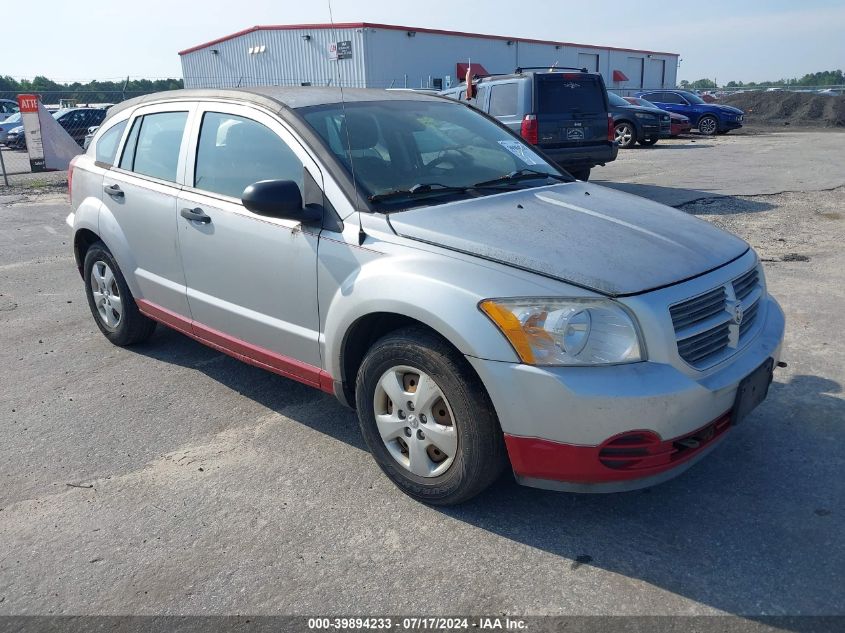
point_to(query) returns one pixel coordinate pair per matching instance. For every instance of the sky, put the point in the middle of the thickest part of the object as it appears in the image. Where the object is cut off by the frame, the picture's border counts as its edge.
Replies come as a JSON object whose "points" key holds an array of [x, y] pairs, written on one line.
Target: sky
{"points": [[746, 41]]}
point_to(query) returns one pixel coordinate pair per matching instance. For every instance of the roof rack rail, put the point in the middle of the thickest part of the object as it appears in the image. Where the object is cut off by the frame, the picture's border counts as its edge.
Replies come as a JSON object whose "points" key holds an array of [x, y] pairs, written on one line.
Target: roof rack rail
{"points": [[519, 69]]}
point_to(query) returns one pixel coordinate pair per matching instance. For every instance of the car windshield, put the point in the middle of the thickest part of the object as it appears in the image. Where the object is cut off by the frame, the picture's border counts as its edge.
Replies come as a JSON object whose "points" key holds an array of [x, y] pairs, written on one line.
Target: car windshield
{"points": [[403, 154], [12, 119], [617, 100], [693, 98]]}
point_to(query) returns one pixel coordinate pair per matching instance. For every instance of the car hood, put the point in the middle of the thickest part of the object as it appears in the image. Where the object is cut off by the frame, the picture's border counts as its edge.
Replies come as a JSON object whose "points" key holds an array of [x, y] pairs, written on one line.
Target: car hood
{"points": [[678, 117], [594, 237], [728, 109]]}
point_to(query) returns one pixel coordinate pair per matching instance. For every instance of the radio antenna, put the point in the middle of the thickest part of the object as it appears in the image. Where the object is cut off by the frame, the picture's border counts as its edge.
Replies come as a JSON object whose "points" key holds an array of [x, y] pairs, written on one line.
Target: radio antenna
{"points": [[361, 235]]}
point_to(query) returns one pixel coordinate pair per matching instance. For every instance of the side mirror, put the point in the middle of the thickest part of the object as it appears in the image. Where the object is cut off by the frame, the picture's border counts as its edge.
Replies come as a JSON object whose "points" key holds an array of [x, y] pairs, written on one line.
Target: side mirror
{"points": [[279, 199]]}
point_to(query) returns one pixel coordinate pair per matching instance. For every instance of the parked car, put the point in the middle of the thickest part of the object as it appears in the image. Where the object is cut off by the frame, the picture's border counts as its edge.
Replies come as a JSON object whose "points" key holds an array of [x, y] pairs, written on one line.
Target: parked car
{"points": [[637, 124], [8, 108], [9, 124], [73, 120], [76, 121], [565, 114], [834, 92], [678, 123], [15, 138], [709, 118], [428, 267]]}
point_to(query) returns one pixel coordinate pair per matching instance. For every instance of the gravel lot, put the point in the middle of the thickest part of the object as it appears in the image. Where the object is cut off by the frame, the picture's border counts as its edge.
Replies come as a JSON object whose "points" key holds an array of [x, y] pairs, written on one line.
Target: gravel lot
{"points": [[168, 478]]}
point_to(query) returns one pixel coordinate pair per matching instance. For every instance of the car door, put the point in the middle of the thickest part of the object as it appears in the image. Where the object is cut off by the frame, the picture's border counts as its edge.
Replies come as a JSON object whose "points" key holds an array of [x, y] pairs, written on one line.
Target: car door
{"points": [[140, 196], [251, 280]]}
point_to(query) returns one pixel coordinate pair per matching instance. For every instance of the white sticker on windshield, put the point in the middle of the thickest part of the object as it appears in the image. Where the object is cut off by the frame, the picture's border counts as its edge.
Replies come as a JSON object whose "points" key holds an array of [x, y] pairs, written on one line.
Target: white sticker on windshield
{"points": [[521, 152]]}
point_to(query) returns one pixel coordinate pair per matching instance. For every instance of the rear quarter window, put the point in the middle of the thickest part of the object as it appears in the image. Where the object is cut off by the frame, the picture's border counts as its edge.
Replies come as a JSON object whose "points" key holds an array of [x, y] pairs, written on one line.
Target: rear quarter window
{"points": [[106, 149], [503, 99]]}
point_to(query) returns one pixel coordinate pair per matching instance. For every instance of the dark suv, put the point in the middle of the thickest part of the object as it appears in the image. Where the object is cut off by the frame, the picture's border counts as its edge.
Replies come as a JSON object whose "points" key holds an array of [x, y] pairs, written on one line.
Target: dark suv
{"points": [[76, 121], [564, 113], [638, 124]]}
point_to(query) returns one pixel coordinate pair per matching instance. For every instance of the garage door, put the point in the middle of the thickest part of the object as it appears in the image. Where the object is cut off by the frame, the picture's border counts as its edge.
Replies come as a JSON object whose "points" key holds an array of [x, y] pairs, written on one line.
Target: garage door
{"points": [[589, 61], [635, 72]]}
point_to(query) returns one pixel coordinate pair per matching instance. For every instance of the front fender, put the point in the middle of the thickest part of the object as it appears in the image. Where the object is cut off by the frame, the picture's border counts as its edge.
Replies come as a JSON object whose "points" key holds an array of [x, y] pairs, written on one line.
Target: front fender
{"points": [[439, 291]]}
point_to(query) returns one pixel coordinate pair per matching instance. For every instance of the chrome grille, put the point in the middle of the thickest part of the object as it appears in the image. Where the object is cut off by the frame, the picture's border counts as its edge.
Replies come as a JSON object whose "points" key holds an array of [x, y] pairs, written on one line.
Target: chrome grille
{"points": [[706, 328], [698, 309], [698, 348], [744, 286]]}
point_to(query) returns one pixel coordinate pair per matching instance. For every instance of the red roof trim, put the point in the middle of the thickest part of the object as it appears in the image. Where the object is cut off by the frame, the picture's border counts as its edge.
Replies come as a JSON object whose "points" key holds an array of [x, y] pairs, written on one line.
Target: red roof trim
{"points": [[394, 27]]}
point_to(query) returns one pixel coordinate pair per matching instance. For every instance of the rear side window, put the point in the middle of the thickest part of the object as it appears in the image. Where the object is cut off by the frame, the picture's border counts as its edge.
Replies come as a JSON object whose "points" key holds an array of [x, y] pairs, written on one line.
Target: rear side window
{"points": [[503, 99], [234, 152], [560, 94], [671, 97], [152, 148], [106, 149]]}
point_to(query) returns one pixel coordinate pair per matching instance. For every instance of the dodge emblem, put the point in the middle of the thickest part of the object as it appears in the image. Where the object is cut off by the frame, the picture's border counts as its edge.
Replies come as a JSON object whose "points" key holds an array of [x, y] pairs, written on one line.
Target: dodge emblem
{"points": [[738, 313]]}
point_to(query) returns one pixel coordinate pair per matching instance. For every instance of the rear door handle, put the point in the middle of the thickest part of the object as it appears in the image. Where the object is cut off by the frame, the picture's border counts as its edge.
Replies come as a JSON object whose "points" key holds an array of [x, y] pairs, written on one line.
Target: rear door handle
{"points": [[113, 190], [196, 215]]}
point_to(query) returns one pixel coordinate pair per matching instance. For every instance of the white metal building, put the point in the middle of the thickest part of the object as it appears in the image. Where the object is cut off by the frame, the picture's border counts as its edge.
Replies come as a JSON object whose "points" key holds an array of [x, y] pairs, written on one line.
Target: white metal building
{"points": [[366, 55]]}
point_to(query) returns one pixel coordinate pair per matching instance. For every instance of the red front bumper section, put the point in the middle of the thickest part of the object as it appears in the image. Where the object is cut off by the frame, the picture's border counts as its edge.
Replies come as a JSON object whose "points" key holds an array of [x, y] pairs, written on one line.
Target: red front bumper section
{"points": [[628, 456]]}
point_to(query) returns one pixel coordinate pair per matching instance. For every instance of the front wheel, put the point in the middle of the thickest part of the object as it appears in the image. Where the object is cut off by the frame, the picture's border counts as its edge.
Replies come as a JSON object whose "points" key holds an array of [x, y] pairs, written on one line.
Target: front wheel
{"points": [[626, 135], [427, 419], [708, 125], [647, 142]]}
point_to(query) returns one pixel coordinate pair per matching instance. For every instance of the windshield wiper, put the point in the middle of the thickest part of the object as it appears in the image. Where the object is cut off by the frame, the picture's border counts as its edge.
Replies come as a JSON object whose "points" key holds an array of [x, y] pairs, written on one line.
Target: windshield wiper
{"points": [[417, 190], [521, 174]]}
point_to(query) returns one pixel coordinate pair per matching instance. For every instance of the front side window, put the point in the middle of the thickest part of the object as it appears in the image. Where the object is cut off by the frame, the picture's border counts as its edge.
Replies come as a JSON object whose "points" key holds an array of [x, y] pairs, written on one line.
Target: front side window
{"points": [[503, 99], [106, 149], [152, 148], [235, 152], [422, 146], [671, 97]]}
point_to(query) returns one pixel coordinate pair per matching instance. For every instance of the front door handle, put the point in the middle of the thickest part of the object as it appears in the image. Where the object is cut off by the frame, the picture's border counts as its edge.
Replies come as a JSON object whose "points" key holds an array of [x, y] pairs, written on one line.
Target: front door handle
{"points": [[196, 215], [113, 190]]}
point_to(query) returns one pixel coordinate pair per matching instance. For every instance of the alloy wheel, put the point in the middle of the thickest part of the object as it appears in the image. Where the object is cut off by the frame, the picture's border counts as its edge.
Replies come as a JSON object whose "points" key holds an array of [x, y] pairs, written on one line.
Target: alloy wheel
{"points": [[106, 293]]}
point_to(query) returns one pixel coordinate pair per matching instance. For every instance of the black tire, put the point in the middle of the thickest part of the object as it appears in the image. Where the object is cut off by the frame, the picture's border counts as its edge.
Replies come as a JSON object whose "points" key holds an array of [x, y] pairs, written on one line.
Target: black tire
{"points": [[647, 142], [480, 455], [581, 174], [131, 327], [708, 125], [626, 134]]}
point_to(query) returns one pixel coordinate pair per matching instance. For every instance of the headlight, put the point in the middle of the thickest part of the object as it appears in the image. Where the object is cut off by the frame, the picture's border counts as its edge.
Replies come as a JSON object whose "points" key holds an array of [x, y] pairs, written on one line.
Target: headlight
{"points": [[566, 331], [645, 115]]}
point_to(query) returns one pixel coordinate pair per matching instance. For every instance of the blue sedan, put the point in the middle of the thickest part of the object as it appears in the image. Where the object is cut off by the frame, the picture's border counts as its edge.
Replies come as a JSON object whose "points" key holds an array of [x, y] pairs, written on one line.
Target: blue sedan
{"points": [[709, 118]]}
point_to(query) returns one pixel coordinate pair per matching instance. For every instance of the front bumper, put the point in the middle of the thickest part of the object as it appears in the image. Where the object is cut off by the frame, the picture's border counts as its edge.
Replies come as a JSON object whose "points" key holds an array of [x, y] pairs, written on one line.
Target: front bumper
{"points": [[730, 124], [558, 420]]}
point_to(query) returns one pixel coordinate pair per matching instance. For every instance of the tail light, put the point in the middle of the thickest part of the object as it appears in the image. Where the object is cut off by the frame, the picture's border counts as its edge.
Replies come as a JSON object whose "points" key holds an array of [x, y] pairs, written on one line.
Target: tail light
{"points": [[529, 129], [70, 177], [611, 129]]}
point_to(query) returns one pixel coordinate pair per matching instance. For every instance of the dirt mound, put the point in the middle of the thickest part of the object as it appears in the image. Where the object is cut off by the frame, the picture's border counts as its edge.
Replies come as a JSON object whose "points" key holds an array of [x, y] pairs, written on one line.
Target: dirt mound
{"points": [[800, 109]]}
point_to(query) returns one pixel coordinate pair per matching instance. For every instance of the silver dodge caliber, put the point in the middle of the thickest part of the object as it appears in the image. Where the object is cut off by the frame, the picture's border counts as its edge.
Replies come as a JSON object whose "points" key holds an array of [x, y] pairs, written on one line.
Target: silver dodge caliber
{"points": [[413, 257]]}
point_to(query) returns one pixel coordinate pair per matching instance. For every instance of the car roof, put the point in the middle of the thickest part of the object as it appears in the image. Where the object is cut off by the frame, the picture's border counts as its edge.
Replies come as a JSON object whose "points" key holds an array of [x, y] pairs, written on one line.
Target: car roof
{"points": [[277, 97], [525, 74]]}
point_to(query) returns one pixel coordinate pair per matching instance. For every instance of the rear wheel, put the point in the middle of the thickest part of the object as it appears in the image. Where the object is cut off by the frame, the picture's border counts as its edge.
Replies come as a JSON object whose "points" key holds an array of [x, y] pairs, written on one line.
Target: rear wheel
{"points": [[426, 418], [626, 135], [708, 125], [111, 301], [580, 174], [648, 141]]}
